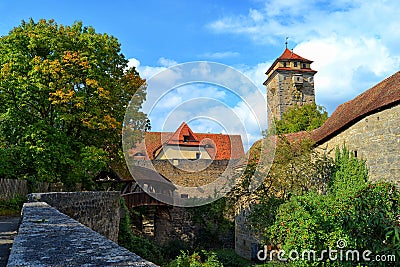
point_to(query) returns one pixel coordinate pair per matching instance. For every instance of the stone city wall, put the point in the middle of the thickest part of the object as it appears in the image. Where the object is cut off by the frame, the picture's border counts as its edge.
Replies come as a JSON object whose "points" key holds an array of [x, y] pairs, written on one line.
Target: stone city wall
{"points": [[97, 210], [376, 139], [190, 173], [47, 237]]}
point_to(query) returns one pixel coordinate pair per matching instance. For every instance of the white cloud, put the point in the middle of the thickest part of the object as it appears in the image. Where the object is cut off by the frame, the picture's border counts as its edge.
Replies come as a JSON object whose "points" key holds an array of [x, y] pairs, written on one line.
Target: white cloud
{"points": [[133, 62], [337, 77], [145, 71], [354, 44], [209, 96], [165, 62], [220, 55]]}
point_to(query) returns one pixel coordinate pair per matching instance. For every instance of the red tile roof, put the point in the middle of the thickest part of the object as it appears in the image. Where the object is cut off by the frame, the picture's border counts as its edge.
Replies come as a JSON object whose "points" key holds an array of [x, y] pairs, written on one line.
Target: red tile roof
{"points": [[178, 138], [383, 95], [219, 146], [289, 55]]}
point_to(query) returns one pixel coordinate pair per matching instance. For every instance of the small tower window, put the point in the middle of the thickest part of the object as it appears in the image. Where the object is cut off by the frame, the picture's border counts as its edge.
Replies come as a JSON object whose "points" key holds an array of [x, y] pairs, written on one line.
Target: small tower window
{"points": [[284, 64], [355, 153], [304, 65], [138, 155], [198, 155], [295, 64]]}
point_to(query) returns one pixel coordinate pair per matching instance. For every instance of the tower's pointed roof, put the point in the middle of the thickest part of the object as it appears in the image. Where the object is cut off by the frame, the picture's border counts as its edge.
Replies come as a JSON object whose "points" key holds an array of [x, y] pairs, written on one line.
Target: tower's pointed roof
{"points": [[289, 55], [183, 136]]}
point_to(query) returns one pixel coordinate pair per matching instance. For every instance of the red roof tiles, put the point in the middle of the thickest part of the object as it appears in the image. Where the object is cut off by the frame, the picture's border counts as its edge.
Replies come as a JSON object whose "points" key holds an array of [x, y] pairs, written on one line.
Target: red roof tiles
{"points": [[384, 94], [289, 55], [183, 136], [219, 146]]}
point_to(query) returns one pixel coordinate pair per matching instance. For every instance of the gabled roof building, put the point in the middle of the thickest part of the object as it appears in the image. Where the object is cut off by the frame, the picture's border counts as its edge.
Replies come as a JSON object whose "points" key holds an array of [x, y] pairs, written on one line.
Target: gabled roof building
{"points": [[185, 144], [187, 158]]}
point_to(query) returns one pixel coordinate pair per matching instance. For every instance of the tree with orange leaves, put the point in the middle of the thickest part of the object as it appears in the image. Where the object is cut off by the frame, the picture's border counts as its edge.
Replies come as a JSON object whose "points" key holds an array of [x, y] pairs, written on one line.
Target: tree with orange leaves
{"points": [[63, 95]]}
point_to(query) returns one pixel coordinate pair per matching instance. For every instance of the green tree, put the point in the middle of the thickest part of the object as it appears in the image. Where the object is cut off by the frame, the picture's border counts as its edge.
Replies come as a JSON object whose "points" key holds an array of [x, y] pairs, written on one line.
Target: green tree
{"points": [[296, 169], [361, 214], [63, 95], [300, 118], [197, 259]]}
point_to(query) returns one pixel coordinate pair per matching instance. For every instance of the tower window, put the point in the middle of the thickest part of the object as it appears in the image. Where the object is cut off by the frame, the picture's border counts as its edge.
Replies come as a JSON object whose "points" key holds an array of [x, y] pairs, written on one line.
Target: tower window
{"points": [[198, 155], [284, 64], [304, 65], [295, 64], [355, 153]]}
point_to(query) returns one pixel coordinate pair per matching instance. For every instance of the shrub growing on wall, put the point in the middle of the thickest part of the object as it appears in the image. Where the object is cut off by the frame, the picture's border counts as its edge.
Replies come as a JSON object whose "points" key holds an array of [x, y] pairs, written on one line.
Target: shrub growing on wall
{"points": [[361, 215], [138, 245]]}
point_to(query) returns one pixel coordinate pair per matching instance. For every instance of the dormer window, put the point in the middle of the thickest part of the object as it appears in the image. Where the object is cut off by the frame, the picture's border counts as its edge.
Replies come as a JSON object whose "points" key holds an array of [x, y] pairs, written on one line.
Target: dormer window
{"points": [[186, 138]]}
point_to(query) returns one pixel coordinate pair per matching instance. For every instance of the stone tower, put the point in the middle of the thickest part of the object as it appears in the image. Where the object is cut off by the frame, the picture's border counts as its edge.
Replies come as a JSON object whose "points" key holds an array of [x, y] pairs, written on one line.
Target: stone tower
{"points": [[290, 82]]}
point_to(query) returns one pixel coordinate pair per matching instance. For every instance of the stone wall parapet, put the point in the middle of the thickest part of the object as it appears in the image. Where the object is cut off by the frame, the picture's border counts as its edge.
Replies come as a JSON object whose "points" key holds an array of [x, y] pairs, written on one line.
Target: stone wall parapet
{"points": [[47, 237], [97, 210]]}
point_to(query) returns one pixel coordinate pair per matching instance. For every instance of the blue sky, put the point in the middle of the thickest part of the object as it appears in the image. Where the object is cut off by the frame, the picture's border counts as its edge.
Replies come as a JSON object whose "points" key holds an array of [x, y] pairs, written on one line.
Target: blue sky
{"points": [[354, 44]]}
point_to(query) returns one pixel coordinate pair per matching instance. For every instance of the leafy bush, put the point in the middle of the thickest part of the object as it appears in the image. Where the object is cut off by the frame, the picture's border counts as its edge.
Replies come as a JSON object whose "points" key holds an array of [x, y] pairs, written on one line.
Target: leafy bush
{"points": [[303, 118], [173, 249], [141, 246], [197, 259], [229, 258], [349, 174], [364, 216], [214, 221], [373, 220], [12, 206]]}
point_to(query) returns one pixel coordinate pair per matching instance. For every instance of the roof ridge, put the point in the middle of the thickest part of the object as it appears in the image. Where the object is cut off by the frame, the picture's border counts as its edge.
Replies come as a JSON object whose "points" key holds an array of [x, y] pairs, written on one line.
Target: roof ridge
{"points": [[289, 54], [383, 94], [176, 136]]}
